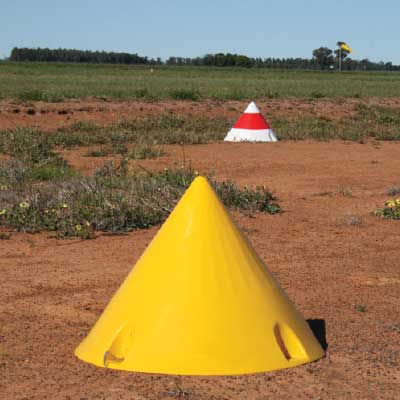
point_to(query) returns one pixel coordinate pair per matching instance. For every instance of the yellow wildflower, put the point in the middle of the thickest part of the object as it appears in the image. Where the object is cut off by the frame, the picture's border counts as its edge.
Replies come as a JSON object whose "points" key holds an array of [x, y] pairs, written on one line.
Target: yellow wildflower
{"points": [[3, 211], [78, 227], [64, 205], [24, 204], [391, 204]]}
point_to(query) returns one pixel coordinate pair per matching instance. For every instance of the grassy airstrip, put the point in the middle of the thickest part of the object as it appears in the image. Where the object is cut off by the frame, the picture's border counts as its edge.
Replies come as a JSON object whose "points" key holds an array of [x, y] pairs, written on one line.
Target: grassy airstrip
{"points": [[56, 82]]}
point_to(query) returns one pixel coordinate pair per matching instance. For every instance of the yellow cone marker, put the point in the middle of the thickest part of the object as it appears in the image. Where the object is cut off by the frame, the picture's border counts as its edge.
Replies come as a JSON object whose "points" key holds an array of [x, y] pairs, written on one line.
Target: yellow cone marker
{"points": [[200, 302]]}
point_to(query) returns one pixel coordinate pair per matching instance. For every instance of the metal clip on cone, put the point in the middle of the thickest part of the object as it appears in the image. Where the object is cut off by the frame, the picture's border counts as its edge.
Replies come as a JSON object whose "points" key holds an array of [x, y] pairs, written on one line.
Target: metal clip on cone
{"points": [[200, 302]]}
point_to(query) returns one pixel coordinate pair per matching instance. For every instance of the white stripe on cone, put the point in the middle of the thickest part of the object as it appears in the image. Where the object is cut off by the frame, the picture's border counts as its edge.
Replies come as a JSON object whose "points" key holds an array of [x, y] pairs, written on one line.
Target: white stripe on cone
{"points": [[251, 135]]}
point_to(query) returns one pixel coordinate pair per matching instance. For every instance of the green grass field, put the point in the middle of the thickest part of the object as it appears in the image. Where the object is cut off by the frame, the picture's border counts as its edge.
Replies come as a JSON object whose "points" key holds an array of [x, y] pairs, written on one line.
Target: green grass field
{"points": [[56, 81]]}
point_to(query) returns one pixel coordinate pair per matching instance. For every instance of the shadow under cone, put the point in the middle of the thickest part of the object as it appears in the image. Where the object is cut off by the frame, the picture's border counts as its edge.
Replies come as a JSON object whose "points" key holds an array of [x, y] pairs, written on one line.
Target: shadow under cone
{"points": [[200, 302]]}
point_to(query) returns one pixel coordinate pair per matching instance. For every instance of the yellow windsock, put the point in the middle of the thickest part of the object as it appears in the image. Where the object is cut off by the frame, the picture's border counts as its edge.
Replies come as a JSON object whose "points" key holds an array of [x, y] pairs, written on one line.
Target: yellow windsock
{"points": [[345, 47], [200, 302]]}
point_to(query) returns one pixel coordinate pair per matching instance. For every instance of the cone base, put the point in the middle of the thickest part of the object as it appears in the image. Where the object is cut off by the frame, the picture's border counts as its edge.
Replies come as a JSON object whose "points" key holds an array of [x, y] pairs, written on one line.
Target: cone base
{"points": [[184, 371], [251, 135]]}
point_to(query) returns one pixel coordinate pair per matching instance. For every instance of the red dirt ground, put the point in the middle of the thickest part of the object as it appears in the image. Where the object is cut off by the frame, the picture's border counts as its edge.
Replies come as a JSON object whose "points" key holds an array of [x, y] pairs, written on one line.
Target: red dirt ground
{"points": [[49, 116], [326, 250]]}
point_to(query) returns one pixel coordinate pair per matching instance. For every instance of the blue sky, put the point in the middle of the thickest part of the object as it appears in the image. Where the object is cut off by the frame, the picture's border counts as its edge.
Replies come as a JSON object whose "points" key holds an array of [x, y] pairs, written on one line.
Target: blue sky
{"points": [[279, 28]]}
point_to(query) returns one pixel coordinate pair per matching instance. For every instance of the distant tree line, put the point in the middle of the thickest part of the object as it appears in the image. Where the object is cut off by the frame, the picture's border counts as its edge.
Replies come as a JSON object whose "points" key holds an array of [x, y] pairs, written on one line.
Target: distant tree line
{"points": [[323, 59], [237, 60], [78, 56]]}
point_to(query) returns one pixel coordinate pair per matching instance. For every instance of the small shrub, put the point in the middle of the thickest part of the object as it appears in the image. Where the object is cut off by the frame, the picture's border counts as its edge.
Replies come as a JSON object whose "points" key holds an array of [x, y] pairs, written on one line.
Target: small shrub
{"points": [[117, 148], [84, 231], [185, 94], [352, 220], [235, 94], [5, 236], [14, 173], [112, 169], [362, 109], [82, 133], [83, 127], [96, 153], [51, 172], [361, 308], [258, 199], [40, 95], [393, 191], [391, 210], [27, 145], [352, 135], [306, 128], [32, 95], [345, 192], [316, 95], [387, 135], [18, 173], [142, 94], [387, 115], [145, 151], [113, 149], [32, 158], [270, 94]]}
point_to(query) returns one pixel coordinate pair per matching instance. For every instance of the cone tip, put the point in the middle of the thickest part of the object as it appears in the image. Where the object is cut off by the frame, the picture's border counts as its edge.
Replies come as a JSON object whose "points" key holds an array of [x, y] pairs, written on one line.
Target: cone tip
{"points": [[252, 108], [200, 180], [200, 184]]}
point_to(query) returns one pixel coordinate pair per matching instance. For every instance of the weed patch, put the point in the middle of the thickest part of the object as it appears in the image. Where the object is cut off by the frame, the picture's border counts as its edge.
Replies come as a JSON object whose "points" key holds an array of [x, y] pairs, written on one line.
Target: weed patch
{"points": [[158, 130], [32, 158], [114, 200], [27, 145], [368, 122]]}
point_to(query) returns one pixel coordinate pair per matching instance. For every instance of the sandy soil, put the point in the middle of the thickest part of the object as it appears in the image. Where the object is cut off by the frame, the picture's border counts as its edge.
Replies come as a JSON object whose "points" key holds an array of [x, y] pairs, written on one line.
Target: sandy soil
{"points": [[49, 116], [326, 250]]}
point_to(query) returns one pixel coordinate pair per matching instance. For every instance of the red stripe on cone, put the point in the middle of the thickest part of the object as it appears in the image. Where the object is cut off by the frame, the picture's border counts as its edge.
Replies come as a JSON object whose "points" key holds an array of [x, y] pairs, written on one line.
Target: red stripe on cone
{"points": [[251, 121]]}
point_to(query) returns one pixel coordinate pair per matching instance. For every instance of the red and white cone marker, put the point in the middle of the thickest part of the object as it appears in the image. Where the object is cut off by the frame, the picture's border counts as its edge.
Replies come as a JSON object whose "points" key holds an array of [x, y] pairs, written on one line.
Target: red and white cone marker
{"points": [[251, 127]]}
